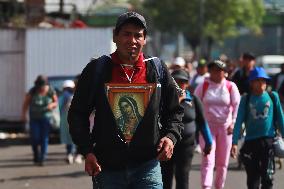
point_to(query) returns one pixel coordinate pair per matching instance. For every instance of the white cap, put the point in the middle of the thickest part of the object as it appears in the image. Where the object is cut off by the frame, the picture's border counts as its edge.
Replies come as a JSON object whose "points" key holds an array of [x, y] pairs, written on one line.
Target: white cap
{"points": [[179, 61], [68, 84]]}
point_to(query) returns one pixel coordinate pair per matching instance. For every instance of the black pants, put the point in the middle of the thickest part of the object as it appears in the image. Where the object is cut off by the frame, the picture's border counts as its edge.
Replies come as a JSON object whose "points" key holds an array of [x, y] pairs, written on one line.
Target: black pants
{"points": [[258, 158], [179, 164]]}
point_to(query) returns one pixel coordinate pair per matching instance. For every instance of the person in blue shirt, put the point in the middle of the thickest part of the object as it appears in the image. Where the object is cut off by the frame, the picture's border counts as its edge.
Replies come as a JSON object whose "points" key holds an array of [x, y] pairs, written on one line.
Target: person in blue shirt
{"points": [[64, 104], [256, 111]]}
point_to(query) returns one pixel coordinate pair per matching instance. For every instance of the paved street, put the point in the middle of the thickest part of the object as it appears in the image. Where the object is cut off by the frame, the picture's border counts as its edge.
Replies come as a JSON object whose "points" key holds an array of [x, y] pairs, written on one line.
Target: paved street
{"points": [[18, 172]]}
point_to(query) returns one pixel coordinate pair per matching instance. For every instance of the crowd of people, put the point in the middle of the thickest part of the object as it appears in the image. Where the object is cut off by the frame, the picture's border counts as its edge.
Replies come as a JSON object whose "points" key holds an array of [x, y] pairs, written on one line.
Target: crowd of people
{"points": [[218, 104], [238, 104]]}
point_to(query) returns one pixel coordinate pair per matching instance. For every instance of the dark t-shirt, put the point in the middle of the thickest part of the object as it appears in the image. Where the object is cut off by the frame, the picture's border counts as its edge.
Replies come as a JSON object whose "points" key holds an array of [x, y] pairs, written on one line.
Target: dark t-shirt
{"points": [[241, 80], [193, 116], [281, 94], [38, 105]]}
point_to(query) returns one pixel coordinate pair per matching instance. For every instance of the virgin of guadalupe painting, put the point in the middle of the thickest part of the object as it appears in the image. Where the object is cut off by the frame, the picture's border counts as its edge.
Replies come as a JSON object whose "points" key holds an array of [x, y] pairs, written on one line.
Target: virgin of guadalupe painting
{"points": [[130, 116], [128, 104]]}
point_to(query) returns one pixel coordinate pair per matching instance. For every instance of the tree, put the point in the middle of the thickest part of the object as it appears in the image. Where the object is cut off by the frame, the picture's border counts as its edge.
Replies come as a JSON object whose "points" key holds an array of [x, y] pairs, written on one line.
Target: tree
{"points": [[211, 20]]}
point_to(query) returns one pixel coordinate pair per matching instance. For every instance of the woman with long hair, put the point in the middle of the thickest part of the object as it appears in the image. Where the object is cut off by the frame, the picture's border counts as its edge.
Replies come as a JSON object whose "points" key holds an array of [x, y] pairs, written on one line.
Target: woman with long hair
{"points": [[40, 101]]}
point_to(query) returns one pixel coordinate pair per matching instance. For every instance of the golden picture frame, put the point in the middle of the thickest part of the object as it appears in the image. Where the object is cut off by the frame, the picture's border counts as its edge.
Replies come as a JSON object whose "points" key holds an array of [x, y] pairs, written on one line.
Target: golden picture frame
{"points": [[128, 103]]}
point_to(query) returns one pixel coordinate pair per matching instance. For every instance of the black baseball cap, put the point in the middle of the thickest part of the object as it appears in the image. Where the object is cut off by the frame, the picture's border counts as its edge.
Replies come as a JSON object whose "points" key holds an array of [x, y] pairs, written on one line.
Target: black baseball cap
{"points": [[130, 16], [180, 74], [220, 64], [248, 56]]}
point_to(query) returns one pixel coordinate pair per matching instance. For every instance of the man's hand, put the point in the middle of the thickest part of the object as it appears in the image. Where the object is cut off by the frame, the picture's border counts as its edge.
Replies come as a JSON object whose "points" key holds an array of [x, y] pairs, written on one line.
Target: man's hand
{"points": [[234, 151], [207, 150], [51, 106], [165, 149], [91, 165]]}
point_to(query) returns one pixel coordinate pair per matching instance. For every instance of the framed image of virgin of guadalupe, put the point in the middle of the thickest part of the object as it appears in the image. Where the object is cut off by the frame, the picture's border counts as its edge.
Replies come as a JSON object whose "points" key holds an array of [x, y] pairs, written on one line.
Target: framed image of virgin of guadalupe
{"points": [[128, 103]]}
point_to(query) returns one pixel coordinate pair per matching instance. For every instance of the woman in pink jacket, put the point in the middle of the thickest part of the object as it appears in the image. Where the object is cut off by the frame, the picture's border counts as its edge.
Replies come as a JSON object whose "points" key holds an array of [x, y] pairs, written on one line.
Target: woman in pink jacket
{"points": [[220, 99]]}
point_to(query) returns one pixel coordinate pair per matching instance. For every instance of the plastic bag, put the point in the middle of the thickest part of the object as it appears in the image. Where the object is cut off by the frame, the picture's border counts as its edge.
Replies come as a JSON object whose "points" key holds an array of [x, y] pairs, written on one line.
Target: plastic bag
{"points": [[278, 145], [55, 118]]}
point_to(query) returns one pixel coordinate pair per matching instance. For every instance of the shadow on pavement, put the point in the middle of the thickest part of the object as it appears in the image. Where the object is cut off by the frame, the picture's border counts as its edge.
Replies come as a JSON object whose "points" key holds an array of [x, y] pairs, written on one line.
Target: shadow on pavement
{"points": [[72, 175], [27, 162], [23, 139]]}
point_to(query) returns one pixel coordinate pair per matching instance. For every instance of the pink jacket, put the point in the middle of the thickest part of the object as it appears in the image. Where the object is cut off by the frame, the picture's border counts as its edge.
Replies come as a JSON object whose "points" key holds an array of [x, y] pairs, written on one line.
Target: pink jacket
{"points": [[220, 105]]}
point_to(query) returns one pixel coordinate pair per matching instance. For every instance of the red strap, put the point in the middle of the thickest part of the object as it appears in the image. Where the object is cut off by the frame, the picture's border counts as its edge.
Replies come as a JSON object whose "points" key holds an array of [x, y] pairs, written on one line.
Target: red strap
{"points": [[206, 85], [204, 88], [229, 86]]}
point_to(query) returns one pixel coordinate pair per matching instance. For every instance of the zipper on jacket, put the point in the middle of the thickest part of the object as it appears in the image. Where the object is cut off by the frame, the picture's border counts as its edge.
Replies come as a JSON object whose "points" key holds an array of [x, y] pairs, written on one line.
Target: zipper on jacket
{"points": [[121, 139]]}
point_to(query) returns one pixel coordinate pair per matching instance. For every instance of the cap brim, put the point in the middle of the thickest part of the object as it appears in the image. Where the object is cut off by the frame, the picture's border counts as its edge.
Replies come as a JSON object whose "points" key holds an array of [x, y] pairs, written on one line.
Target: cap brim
{"points": [[181, 78], [264, 77]]}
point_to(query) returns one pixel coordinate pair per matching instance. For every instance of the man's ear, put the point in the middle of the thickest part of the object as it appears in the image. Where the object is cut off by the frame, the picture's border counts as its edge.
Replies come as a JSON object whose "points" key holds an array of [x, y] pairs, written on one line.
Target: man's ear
{"points": [[113, 36], [145, 41]]}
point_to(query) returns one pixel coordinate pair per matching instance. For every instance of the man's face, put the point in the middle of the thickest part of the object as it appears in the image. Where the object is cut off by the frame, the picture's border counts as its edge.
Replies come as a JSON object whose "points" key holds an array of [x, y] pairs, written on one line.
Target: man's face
{"points": [[201, 70], [282, 68], [129, 41], [248, 64]]}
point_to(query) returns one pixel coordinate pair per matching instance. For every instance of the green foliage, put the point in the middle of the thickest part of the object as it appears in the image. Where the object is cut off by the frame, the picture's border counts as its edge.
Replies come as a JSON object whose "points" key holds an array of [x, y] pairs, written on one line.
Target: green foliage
{"points": [[220, 18], [137, 5]]}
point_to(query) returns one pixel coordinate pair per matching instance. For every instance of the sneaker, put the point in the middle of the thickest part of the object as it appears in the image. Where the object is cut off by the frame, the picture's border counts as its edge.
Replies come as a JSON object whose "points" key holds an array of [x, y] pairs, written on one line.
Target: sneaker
{"points": [[70, 159], [79, 159], [41, 163]]}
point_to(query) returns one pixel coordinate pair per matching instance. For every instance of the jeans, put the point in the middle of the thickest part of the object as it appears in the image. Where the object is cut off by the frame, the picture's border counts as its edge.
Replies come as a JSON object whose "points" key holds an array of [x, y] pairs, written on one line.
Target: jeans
{"points": [[145, 176], [39, 133], [70, 149]]}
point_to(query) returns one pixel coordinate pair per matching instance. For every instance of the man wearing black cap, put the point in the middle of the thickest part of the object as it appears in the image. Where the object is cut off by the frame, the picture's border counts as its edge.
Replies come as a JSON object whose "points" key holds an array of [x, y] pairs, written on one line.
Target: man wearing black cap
{"points": [[113, 161], [240, 77]]}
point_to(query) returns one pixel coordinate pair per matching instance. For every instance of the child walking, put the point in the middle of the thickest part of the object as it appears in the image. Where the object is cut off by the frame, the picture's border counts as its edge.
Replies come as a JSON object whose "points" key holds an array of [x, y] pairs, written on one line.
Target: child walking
{"points": [[259, 110]]}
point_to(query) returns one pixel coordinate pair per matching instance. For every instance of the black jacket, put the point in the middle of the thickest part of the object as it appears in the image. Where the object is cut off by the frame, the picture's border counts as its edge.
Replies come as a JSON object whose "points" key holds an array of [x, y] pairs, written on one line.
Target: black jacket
{"points": [[106, 140], [241, 80], [194, 120]]}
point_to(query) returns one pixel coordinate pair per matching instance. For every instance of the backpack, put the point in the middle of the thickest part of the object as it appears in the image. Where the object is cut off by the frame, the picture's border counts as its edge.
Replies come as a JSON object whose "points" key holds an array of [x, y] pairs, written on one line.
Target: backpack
{"points": [[278, 143], [160, 72], [206, 85], [101, 62], [159, 69]]}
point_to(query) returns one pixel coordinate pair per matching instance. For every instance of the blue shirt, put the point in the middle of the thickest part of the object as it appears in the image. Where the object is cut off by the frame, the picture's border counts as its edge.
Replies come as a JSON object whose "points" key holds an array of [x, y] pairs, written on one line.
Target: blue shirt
{"points": [[259, 117]]}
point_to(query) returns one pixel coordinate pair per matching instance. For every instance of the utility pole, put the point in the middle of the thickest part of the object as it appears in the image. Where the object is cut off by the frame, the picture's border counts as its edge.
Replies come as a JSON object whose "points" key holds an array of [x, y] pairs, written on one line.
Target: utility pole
{"points": [[61, 5]]}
